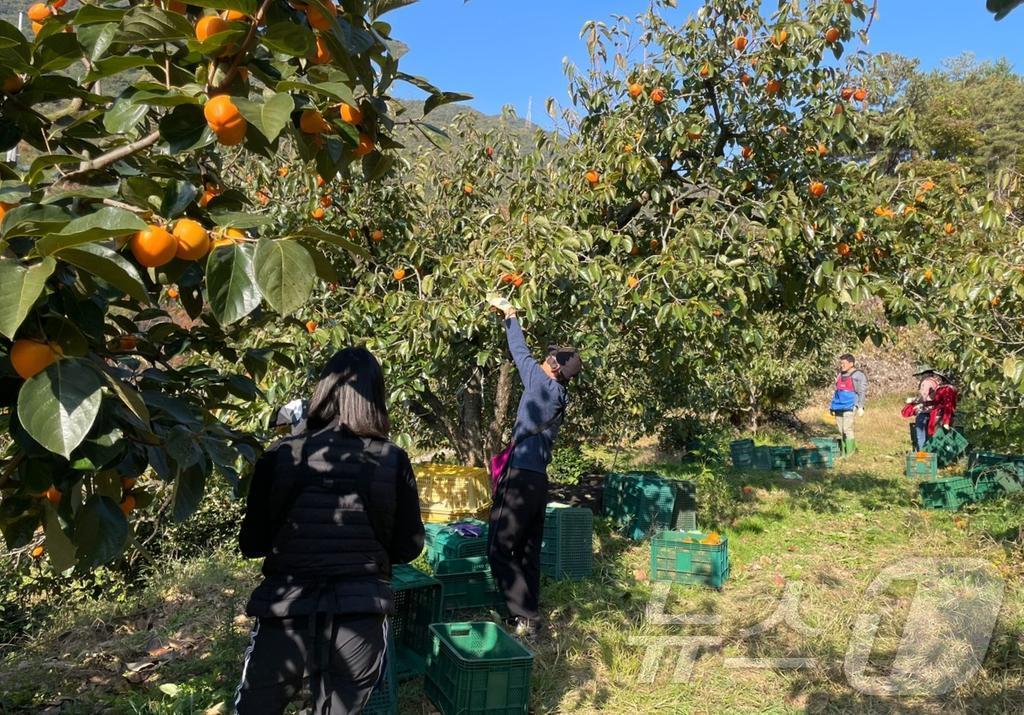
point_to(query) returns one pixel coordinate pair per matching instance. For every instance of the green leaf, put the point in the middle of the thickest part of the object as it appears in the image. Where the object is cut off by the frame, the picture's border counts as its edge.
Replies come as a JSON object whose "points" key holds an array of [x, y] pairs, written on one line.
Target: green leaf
{"points": [[285, 273], [230, 283], [436, 136], [185, 129], [248, 7], [109, 266], [124, 114], [101, 532], [270, 117], [20, 288], [58, 546], [45, 161], [66, 334], [436, 100], [320, 235], [108, 222], [379, 7], [58, 406], [189, 486], [149, 25], [110, 66], [236, 219], [289, 38], [333, 90], [56, 52], [32, 220], [95, 15]]}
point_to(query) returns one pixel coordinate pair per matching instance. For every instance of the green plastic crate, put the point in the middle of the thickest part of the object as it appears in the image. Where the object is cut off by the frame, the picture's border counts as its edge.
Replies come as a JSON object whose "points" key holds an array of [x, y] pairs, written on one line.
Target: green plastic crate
{"points": [[677, 556], [418, 601], [467, 584], [986, 487], [813, 458], [650, 502], [477, 668], [684, 511], [782, 457], [948, 445], [763, 458], [567, 551], [620, 489], [950, 493], [444, 544], [384, 699], [830, 444], [922, 465], [742, 453]]}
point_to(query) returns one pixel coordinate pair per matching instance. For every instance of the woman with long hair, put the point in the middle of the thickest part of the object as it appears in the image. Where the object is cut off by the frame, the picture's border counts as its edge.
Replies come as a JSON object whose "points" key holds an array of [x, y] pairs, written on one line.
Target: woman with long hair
{"points": [[330, 509]]}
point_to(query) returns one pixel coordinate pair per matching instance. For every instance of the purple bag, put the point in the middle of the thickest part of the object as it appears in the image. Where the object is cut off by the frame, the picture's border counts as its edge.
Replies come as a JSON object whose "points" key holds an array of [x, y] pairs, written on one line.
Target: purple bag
{"points": [[499, 465]]}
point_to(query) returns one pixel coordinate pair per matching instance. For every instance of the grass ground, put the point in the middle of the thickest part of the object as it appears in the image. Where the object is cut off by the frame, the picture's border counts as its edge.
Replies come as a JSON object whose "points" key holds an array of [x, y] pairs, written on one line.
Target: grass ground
{"points": [[177, 646]]}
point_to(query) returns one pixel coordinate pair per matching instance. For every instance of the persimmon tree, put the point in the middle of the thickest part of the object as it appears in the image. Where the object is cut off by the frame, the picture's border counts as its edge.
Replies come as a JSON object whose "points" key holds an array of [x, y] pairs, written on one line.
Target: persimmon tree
{"points": [[698, 187], [125, 208]]}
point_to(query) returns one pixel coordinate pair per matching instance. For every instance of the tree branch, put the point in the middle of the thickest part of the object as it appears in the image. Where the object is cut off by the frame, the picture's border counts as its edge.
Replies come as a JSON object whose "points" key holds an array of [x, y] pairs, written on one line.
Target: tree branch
{"points": [[10, 468], [110, 157], [256, 21]]}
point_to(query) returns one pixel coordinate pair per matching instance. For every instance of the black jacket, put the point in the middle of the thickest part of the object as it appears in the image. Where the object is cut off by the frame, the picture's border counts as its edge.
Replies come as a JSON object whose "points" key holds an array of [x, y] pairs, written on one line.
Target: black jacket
{"points": [[329, 513]]}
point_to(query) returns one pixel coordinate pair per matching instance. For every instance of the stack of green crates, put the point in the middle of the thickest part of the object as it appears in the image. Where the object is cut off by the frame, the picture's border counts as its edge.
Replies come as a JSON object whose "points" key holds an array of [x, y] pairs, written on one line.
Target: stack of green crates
{"points": [[679, 557], [948, 445], [813, 458], [763, 457], [830, 444], [742, 453], [445, 544], [991, 459], [418, 599], [1008, 476], [922, 465], [477, 668], [782, 457], [568, 548], [950, 493], [467, 584]]}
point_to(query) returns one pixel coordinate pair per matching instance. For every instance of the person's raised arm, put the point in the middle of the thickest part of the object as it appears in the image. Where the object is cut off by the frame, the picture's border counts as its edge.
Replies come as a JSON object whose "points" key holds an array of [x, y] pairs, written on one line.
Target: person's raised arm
{"points": [[529, 371]]}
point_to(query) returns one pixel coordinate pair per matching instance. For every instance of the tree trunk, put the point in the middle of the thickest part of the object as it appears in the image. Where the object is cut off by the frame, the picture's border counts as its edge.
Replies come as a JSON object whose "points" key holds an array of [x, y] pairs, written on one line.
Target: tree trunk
{"points": [[502, 400], [471, 409]]}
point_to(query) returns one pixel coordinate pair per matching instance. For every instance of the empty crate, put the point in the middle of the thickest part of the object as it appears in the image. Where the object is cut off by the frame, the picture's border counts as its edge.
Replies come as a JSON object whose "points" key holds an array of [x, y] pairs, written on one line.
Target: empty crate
{"points": [[418, 600], [477, 668], [567, 551]]}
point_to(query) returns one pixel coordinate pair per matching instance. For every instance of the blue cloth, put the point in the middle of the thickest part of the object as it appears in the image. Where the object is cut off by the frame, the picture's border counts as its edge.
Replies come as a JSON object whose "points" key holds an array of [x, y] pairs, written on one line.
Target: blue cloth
{"points": [[921, 428], [542, 399]]}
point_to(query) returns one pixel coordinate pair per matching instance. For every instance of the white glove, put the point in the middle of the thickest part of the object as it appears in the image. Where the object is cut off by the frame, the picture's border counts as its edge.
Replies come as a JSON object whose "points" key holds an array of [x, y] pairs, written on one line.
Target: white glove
{"points": [[910, 400], [860, 411], [945, 427]]}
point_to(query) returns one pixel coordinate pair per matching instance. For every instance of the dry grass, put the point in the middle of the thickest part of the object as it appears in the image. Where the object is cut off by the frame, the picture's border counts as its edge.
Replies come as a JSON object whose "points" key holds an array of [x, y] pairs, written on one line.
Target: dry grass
{"points": [[824, 541]]}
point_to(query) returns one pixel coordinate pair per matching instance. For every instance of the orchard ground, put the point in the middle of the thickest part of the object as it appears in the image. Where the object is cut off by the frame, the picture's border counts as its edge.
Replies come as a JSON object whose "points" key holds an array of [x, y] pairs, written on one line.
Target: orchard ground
{"points": [[176, 646]]}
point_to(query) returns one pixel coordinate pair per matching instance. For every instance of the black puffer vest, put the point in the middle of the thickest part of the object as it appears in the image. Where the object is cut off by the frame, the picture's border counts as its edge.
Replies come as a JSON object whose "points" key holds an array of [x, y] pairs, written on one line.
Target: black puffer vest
{"points": [[334, 505]]}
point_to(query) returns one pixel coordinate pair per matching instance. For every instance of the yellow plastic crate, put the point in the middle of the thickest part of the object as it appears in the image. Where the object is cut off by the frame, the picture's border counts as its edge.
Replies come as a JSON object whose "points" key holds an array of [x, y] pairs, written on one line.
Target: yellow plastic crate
{"points": [[449, 492]]}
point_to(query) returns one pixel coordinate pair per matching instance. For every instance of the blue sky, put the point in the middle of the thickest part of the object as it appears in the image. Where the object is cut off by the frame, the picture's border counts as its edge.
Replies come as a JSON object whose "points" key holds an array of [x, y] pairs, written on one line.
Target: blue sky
{"points": [[506, 51]]}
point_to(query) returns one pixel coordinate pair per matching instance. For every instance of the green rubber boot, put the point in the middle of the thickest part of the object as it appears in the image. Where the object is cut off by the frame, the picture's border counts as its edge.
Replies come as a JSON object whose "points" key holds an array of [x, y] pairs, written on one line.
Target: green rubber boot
{"points": [[849, 446]]}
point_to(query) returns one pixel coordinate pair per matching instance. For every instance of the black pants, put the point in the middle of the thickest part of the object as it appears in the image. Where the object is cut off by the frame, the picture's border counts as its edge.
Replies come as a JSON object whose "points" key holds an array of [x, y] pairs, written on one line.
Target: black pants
{"points": [[516, 532], [342, 655]]}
